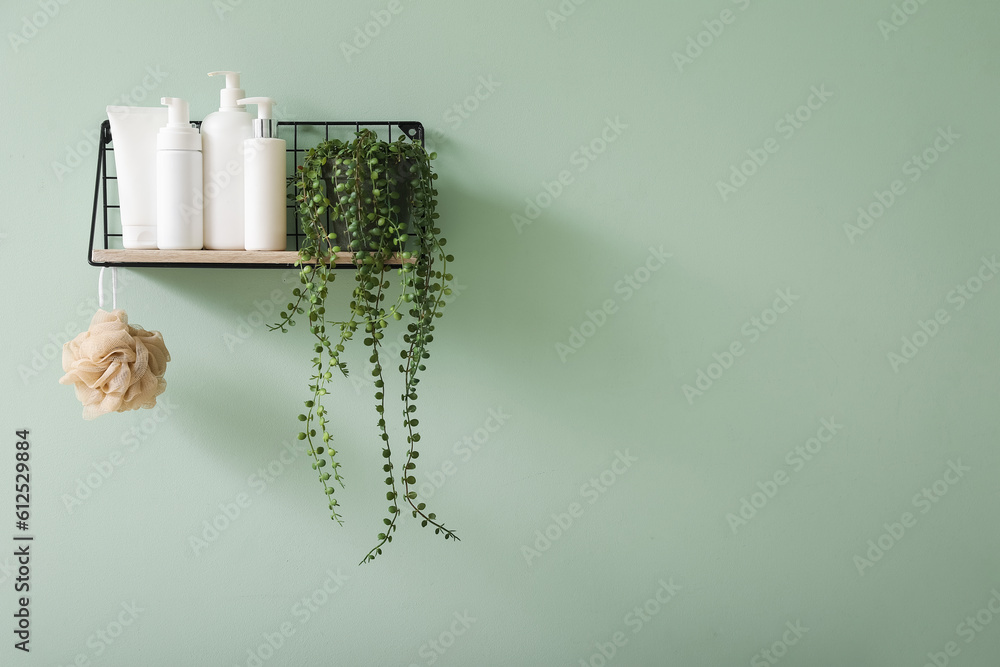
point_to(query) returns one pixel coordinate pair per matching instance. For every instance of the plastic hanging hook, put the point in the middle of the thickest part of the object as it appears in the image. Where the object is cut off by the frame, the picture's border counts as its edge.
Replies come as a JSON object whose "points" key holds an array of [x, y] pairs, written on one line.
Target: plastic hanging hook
{"points": [[114, 288]]}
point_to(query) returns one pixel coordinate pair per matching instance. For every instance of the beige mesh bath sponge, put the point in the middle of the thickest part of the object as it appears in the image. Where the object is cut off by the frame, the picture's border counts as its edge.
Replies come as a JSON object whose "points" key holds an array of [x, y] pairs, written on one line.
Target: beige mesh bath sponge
{"points": [[115, 367]]}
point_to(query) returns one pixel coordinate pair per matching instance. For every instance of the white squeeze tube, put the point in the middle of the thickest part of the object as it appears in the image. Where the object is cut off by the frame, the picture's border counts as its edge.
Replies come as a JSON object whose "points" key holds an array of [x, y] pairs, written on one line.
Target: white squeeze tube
{"points": [[133, 134]]}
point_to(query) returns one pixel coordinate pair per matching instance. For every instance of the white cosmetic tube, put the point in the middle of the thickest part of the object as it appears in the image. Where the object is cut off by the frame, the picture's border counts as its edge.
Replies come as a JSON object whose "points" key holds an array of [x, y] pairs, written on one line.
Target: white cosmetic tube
{"points": [[133, 134]]}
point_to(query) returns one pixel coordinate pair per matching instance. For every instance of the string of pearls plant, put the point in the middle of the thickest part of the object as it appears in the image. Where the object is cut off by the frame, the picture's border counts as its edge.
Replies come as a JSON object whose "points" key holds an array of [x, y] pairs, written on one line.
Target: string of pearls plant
{"points": [[382, 194]]}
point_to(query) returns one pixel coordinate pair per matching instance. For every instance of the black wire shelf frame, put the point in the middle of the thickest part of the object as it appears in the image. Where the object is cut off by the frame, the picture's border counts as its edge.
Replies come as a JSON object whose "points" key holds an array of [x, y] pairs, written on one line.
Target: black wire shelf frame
{"points": [[292, 132]]}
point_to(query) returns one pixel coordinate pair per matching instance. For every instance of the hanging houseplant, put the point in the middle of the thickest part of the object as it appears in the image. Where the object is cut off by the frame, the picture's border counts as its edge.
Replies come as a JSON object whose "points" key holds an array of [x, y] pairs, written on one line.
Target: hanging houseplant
{"points": [[377, 200]]}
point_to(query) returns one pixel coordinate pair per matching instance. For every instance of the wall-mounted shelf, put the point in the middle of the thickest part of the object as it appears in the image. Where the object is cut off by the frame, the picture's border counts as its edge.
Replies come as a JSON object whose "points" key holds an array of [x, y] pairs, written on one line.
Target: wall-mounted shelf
{"points": [[309, 133], [233, 259]]}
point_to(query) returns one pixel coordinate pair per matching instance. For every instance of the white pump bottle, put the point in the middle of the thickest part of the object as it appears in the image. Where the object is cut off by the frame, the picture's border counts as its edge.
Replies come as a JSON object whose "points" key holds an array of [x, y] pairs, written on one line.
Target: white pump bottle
{"points": [[178, 181], [265, 201], [223, 133]]}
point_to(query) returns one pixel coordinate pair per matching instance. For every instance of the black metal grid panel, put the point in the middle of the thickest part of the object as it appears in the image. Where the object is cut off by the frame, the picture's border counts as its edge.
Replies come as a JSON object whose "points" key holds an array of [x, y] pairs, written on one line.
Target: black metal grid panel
{"points": [[293, 132]]}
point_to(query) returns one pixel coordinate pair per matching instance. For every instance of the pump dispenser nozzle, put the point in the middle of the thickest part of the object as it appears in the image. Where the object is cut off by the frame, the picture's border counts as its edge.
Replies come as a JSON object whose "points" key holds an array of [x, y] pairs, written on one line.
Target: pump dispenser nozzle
{"points": [[232, 92], [177, 134], [178, 112], [263, 126]]}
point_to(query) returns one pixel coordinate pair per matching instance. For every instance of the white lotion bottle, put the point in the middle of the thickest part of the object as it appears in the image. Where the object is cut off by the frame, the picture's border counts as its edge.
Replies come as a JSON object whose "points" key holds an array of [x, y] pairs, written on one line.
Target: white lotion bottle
{"points": [[265, 192], [179, 221], [223, 133]]}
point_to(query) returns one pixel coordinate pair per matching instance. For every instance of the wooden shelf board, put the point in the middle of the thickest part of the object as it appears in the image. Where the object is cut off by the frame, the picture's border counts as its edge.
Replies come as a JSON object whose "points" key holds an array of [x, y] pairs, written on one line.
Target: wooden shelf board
{"points": [[214, 257]]}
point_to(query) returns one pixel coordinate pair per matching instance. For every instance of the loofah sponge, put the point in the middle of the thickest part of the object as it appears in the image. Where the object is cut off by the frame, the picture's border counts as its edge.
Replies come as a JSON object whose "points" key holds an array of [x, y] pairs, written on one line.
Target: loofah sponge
{"points": [[115, 367]]}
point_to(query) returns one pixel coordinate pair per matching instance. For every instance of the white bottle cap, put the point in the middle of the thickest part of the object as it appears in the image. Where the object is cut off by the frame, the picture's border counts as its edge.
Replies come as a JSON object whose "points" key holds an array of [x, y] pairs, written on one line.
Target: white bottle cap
{"points": [[263, 126], [178, 135], [231, 93]]}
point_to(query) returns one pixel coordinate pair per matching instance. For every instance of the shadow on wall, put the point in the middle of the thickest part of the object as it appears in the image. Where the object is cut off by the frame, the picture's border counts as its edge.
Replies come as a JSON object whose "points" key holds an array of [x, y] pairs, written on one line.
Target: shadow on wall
{"points": [[505, 318], [502, 324], [500, 275]]}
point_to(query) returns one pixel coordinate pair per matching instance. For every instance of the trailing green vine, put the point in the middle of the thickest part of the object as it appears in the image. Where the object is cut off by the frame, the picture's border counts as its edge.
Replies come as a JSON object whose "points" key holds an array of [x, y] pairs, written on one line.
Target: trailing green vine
{"points": [[381, 195]]}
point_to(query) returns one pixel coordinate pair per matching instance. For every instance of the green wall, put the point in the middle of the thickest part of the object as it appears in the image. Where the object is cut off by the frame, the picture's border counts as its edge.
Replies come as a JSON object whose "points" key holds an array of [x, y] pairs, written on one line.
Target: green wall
{"points": [[694, 380]]}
